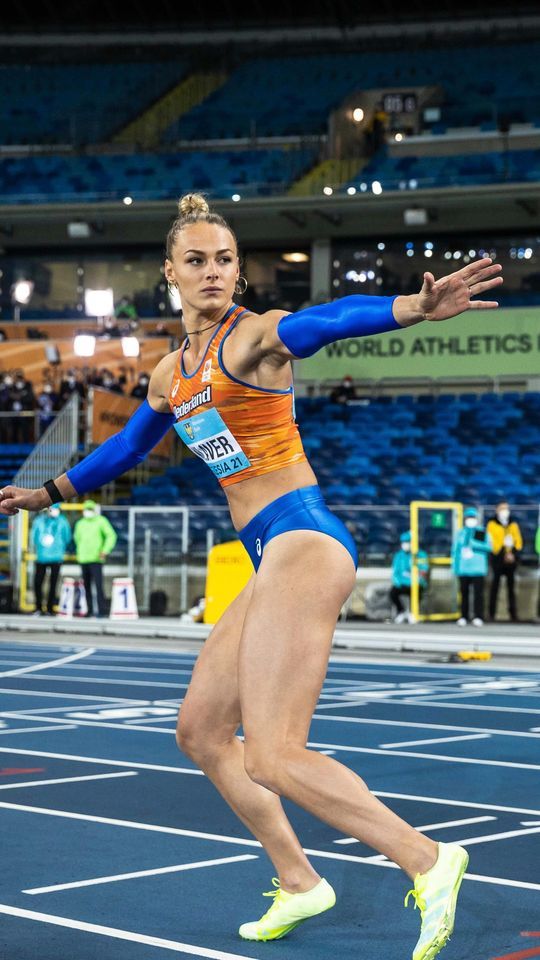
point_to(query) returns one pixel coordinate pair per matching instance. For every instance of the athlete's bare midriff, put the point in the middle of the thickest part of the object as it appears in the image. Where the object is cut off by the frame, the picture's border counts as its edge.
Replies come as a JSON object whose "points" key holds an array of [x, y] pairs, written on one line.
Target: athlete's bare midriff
{"points": [[245, 497]]}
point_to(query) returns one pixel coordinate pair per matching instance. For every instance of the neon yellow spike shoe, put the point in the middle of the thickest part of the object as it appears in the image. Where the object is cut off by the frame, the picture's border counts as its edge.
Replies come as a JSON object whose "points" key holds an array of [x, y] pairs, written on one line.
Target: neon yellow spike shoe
{"points": [[435, 892], [288, 910]]}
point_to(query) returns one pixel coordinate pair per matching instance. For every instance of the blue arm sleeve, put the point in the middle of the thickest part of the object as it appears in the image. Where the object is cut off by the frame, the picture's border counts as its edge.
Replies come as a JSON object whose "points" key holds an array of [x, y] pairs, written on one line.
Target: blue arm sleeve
{"points": [[143, 431], [305, 332]]}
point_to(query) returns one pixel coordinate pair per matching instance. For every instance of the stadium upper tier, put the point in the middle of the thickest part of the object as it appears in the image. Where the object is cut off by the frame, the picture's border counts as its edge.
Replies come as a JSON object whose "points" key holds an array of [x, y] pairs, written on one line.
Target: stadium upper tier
{"points": [[264, 95], [78, 104], [410, 173], [150, 176]]}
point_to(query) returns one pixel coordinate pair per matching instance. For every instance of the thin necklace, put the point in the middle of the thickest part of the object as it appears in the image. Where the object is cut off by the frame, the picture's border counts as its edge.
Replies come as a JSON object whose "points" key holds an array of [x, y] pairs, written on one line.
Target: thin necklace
{"points": [[191, 332]]}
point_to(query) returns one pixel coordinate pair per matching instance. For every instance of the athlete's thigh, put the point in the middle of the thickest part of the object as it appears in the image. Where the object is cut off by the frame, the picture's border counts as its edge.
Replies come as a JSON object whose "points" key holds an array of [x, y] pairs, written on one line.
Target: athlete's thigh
{"points": [[212, 697], [302, 583]]}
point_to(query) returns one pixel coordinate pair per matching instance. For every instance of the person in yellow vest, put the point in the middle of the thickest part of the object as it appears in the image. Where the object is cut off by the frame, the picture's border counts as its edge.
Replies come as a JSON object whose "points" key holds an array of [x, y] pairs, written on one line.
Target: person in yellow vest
{"points": [[94, 538], [507, 544]]}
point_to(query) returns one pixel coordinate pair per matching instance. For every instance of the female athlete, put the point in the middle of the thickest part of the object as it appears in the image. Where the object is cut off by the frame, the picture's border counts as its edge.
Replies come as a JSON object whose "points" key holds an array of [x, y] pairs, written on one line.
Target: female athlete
{"points": [[228, 392]]}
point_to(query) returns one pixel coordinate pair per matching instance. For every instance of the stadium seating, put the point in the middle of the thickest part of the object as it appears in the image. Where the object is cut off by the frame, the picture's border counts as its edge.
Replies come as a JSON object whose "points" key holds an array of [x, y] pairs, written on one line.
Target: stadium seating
{"points": [[416, 172], [449, 448], [78, 104], [151, 176]]}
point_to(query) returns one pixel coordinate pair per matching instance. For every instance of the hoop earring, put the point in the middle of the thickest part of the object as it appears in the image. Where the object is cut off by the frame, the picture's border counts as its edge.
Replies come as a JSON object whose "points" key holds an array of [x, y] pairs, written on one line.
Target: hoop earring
{"points": [[172, 285], [239, 289]]}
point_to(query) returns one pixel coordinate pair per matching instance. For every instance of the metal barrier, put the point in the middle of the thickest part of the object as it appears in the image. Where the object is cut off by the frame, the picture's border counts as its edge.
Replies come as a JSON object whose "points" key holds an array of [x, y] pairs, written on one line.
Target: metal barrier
{"points": [[50, 457]]}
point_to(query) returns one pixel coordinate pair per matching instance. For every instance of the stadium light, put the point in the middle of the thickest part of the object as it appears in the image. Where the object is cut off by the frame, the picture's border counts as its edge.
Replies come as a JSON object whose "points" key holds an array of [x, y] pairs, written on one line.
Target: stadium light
{"points": [[84, 345], [22, 291], [130, 346], [21, 294], [99, 303]]}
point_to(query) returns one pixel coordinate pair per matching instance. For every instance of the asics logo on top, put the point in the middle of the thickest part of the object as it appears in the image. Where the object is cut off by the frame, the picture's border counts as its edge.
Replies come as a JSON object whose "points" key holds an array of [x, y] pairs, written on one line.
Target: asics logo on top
{"points": [[207, 371]]}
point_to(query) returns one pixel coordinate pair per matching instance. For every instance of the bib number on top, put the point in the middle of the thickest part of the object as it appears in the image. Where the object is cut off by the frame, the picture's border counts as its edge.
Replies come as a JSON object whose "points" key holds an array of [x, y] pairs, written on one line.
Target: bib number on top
{"points": [[207, 435]]}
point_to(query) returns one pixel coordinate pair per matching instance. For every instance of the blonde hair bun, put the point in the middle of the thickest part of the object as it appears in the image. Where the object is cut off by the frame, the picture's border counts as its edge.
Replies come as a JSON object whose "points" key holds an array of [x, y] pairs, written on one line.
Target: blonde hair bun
{"points": [[193, 203]]}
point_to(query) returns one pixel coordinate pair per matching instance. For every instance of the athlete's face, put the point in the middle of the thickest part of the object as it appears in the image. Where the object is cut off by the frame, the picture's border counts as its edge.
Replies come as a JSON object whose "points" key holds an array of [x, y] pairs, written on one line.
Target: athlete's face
{"points": [[204, 266]]}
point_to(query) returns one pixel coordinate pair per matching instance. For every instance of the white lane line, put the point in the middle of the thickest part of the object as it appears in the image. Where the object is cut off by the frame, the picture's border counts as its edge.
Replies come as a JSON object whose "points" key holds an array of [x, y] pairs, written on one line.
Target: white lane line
{"points": [[19, 714], [468, 706], [422, 726], [51, 663], [15, 691], [113, 669], [239, 840], [117, 934], [59, 726], [416, 743], [372, 862], [35, 711], [429, 826], [455, 803], [133, 824], [498, 836], [46, 783], [427, 756], [453, 823], [117, 763], [99, 680], [142, 873]]}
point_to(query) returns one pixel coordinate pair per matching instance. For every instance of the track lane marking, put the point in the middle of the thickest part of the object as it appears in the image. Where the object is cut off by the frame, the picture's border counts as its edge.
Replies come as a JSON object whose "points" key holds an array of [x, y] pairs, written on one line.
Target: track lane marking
{"points": [[417, 743], [47, 783], [118, 934], [50, 663], [141, 873]]}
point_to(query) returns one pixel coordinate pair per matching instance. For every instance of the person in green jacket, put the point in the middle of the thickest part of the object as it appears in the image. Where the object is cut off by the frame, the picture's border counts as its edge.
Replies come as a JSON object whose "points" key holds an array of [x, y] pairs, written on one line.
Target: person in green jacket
{"points": [[471, 549], [94, 538], [402, 576], [50, 535]]}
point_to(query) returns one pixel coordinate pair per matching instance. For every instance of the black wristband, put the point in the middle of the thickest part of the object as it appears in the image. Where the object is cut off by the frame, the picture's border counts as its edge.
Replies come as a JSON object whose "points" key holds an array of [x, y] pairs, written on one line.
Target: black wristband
{"points": [[53, 491]]}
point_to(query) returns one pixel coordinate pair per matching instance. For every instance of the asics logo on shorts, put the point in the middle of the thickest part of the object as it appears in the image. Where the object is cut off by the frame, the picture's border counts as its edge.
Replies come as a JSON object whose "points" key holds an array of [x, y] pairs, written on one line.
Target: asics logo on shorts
{"points": [[258, 547]]}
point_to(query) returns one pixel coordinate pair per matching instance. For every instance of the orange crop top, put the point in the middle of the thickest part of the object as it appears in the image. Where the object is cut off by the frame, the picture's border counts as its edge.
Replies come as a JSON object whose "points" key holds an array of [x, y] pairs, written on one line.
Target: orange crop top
{"points": [[239, 430]]}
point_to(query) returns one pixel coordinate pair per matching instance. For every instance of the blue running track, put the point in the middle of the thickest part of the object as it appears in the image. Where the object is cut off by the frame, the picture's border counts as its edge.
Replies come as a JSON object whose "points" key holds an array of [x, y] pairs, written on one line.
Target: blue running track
{"points": [[115, 846]]}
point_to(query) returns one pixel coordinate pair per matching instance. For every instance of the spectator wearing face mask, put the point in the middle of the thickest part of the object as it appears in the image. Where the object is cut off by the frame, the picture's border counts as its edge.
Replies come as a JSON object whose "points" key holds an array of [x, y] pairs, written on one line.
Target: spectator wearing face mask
{"points": [[470, 562], [344, 392], [140, 390], [402, 577], [110, 382], [22, 403], [94, 538], [47, 402], [70, 384], [507, 544], [50, 536]]}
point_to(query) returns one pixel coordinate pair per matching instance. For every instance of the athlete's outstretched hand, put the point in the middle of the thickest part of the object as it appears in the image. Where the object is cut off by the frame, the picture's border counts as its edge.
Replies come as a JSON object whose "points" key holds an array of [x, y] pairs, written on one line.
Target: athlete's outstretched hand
{"points": [[451, 295], [13, 499]]}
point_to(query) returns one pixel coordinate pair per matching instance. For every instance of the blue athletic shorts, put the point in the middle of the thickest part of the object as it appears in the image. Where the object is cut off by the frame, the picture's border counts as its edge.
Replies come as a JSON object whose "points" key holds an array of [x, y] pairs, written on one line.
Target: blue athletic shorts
{"points": [[303, 509]]}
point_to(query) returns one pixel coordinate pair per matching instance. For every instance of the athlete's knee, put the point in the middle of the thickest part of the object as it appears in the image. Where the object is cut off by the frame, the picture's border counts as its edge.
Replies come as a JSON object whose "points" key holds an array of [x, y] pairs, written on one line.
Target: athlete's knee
{"points": [[191, 734], [263, 765], [201, 738]]}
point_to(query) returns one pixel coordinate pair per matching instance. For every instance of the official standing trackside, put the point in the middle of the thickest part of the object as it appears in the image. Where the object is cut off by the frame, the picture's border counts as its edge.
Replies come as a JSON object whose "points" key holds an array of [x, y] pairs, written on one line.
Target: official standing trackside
{"points": [[470, 561], [94, 537], [50, 536]]}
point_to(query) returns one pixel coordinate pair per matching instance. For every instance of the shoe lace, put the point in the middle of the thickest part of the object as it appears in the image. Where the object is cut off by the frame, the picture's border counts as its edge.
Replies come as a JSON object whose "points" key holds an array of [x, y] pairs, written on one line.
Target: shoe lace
{"points": [[276, 891], [418, 899], [274, 894]]}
